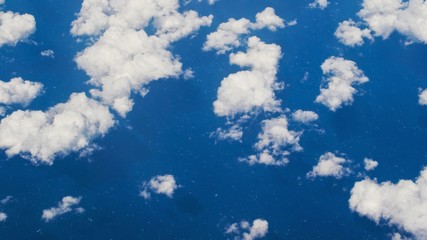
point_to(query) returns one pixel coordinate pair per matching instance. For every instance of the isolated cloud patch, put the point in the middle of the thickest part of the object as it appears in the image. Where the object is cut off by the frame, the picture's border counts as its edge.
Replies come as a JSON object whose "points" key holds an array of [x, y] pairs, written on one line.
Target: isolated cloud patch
{"points": [[165, 184], [246, 231], [19, 91], [275, 143], [305, 117], [227, 36], [341, 75], [66, 205], [348, 33], [3, 217], [402, 204], [15, 27], [370, 164], [329, 165], [41, 136], [322, 4]]}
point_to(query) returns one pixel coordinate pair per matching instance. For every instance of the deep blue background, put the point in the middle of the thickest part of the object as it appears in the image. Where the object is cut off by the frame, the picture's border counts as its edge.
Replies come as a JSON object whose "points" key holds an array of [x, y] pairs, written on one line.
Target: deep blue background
{"points": [[171, 127]]}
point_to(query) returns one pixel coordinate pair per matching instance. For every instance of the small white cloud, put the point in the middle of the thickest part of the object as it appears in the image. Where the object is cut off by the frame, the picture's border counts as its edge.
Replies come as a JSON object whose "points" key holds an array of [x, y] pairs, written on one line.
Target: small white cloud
{"points": [[212, 2], [48, 53], [226, 37], [329, 165], [304, 116], [275, 143], [402, 204], [15, 27], [3, 217], [165, 184], [234, 133], [341, 75], [322, 4], [6, 200], [370, 164], [245, 231], [19, 91], [422, 97], [348, 33], [188, 74], [67, 204]]}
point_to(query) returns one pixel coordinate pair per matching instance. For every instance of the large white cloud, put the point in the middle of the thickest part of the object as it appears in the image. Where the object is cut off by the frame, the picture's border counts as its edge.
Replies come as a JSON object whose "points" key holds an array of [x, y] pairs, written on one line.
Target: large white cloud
{"points": [[341, 75], [227, 36], [67, 204], [386, 16], [329, 165], [19, 91], [403, 204], [125, 58], [66, 127], [275, 143], [252, 89], [164, 184], [15, 27], [245, 231]]}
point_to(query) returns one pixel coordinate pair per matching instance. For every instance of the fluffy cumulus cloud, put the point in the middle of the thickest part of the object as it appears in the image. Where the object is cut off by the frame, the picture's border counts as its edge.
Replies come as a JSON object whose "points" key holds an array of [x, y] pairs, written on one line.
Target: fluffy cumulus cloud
{"points": [[329, 165], [66, 205], [322, 4], [304, 116], [165, 184], [125, 58], [370, 164], [341, 75], [422, 97], [246, 231], [66, 127], [402, 204], [252, 89], [3, 217], [383, 17], [348, 33], [15, 27], [227, 36], [275, 143], [19, 91]]}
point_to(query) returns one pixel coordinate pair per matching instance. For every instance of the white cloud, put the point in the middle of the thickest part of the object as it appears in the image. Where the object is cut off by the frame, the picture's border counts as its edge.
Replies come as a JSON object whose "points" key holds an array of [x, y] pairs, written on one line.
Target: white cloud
{"points": [[67, 204], [234, 132], [6, 200], [304, 116], [329, 165], [165, 184], [125, 58], [3, 217], [383, 17], [15, 27], [250, 90], [245, 231], [226, 37], [348, 33], [2, 1], [322, 4], [403, 204], [66, 127], [275, 143], [212, 2], [48, 53], [19, 91], [370, 164], [341, 74], [422, 97]]}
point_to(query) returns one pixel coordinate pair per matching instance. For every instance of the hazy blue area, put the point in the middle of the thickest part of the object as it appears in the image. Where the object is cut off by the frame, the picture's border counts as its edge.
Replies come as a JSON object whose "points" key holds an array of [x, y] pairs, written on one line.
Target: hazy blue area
{"points": [[170, 130]]}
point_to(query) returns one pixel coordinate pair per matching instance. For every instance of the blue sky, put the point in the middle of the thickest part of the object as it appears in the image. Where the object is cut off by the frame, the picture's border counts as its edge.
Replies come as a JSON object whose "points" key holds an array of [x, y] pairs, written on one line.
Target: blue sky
{"points": [[144, 119]]}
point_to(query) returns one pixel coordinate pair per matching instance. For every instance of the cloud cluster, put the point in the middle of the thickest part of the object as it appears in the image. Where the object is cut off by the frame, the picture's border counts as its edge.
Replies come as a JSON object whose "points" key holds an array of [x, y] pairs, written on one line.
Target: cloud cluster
{"points": [[244, 230], [253, 89], [67, 204], [383, 17], [19, 91], [304, 116], [403, 204], [227, 36], [66, 127], [15, 27], [341, 75], [275, 143], [329, 165], [165, 184]]}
